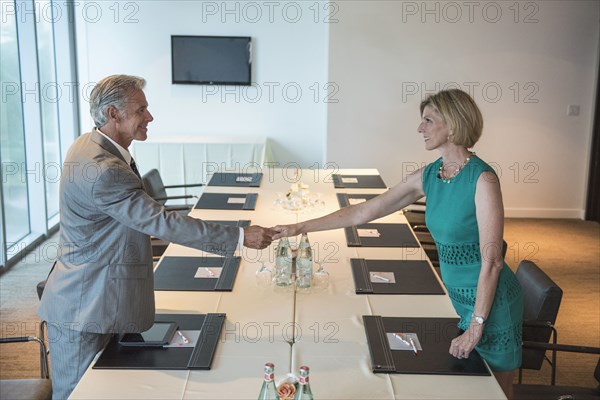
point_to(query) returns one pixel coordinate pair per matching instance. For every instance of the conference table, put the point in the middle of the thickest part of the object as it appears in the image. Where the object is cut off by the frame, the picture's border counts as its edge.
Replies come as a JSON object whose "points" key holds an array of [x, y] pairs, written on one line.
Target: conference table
{"points": [[319, 327]]}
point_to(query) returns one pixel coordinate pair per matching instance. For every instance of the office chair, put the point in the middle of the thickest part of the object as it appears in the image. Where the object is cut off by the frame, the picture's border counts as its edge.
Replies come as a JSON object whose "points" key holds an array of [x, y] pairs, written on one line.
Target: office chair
{"points": [[28, 388], [541, 301], [416, 219], [154, 186], [415, 215], [531, 392]]}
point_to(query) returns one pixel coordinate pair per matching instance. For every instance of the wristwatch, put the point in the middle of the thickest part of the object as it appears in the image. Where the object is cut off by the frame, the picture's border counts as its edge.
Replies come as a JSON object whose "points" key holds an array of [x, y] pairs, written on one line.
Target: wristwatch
{"points": [[479, 320]]}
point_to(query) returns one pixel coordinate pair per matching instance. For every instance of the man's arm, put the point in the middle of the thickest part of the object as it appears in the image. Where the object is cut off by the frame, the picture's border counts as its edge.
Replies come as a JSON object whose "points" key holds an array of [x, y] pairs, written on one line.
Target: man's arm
{"points": [[118, 192]]}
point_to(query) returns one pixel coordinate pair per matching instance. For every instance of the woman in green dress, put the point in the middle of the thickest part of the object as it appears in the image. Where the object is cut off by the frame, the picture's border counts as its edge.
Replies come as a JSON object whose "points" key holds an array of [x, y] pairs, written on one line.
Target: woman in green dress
{"points": [[465, 216]]}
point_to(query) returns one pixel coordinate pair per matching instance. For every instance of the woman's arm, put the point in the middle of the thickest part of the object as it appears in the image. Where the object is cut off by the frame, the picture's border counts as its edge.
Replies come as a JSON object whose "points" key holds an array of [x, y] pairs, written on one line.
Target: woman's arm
{"points": [[395, 199], [490, 219]]}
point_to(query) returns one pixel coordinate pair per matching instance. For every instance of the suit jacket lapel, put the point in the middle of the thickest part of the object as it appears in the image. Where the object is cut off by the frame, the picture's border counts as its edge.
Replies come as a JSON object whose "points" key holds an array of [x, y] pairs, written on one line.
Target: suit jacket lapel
{"points": [[106, 144]]}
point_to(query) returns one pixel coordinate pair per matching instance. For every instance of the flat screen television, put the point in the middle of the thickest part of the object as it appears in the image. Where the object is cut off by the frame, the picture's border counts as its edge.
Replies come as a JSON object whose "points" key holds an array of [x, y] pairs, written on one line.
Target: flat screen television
{"points": [[211, 60]]}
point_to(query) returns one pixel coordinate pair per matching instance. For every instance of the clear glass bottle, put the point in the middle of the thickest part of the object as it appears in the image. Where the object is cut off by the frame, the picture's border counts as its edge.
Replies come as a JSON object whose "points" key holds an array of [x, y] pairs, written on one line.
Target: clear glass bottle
{"points": [[269, 390], [303, 392], [304, 263], [283, 263]]}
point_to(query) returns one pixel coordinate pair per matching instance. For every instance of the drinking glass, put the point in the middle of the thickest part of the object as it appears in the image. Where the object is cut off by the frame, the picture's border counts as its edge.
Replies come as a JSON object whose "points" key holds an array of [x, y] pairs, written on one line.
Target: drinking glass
{"points": [[264, 276], [320, 276]]}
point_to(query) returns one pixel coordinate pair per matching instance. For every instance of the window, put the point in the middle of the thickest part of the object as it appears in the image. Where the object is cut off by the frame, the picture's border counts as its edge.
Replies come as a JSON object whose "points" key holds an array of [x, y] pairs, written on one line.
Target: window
{"points": [[48, 86], [37, 53], [12, 137]]}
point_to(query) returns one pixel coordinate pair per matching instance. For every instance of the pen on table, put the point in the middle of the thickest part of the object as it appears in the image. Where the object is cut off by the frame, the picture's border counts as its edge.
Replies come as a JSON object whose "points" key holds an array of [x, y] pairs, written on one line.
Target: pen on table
{"points": [[399, 336], [412, 343], [381, 277], [209, 271], [185, 340]]}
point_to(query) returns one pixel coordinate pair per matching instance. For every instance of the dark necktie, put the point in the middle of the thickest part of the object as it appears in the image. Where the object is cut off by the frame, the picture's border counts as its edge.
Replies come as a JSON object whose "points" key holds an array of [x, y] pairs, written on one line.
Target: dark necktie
{"points": [[134, 168]]}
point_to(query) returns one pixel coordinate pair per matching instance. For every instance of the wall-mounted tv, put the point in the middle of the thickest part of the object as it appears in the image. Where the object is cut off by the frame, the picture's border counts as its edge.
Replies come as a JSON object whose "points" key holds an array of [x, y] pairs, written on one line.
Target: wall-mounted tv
{"points": [[211, 60]]}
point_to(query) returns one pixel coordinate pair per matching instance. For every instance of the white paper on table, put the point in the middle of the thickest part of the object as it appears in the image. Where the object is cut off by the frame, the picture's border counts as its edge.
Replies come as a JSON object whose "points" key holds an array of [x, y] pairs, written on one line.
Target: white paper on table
{"points": [[205, 272], [354, 201], [236, 200], [382, 277], [243, 179], [368, 232], [349, 180], [404, 343], [178, 341]]}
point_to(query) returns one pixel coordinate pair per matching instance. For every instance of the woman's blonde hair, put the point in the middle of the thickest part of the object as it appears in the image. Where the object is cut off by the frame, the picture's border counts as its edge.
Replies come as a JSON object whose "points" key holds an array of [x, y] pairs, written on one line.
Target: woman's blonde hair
{"points": [[461, 114]]}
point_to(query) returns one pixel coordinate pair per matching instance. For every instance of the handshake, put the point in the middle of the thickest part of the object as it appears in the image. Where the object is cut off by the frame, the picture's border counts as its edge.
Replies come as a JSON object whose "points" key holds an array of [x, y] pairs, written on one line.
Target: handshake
{"points": [[257, 237]]}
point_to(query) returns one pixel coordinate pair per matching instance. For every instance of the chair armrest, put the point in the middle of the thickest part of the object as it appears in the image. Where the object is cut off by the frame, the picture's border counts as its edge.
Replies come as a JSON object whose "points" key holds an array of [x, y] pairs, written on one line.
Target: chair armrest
{"points": [[537, 324], [184, 186], [561, 347], [420, 228], [411, 211], [178, 208], [189, 196], [18, 339], [44, 371]]}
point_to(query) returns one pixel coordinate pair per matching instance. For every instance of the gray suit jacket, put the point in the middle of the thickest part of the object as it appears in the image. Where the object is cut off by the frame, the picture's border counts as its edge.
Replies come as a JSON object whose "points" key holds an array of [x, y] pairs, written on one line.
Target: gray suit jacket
{"points": [[103, 280]]}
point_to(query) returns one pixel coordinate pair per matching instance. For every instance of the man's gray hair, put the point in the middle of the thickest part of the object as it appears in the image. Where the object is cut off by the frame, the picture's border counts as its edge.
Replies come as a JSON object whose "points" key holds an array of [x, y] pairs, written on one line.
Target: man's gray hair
{"points": [[113, 91]]}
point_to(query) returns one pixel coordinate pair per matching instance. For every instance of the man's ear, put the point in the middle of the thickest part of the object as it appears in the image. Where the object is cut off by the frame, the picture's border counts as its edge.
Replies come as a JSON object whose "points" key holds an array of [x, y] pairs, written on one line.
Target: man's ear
{"points": [[113, 113]]}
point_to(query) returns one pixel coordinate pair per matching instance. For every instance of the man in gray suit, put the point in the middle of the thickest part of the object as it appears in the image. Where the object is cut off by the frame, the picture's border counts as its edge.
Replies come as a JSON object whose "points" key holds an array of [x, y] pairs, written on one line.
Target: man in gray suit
{"points": [[102, 282]]}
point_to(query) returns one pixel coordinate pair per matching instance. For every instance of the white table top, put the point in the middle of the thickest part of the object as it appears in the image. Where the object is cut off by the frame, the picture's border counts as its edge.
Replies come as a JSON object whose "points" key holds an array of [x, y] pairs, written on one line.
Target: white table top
{"points": [[321, 328]]}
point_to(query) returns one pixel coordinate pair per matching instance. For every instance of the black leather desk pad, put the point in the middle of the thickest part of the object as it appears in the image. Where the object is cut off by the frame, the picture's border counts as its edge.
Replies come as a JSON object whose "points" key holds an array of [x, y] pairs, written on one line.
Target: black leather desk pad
{"points": [[391, 235], [231, 179], [218, 201], [344, 198], [177, 273], [116, 356], [412, 277], [435, 335], [364, 182]]}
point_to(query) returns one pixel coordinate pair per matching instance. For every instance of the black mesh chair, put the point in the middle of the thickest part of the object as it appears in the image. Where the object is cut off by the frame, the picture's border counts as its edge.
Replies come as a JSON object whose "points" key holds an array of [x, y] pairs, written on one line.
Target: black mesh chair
{"points": [[416, 219], [535, 392], [28, 388], [415, 215], [541, 300], [155, 187]]}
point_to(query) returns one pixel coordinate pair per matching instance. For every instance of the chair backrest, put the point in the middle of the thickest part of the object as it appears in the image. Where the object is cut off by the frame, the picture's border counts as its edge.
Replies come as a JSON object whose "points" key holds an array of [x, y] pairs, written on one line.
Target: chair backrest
{"points": [[541, 301], [154, 186]]}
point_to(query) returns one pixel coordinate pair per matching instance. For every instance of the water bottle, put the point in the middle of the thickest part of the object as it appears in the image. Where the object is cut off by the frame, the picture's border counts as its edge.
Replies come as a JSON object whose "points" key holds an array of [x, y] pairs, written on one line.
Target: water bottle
{"points": [[303, 392], [283, 263], [268, 390], [304, 263]]}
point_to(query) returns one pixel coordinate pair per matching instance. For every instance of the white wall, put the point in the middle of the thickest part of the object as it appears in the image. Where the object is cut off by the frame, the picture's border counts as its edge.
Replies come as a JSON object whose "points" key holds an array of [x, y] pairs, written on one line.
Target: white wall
{"points": [[290, 53], [386, 55], [382, 57]]}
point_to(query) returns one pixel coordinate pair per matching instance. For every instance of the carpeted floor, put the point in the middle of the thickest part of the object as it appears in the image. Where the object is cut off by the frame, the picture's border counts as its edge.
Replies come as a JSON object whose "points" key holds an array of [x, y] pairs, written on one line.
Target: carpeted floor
{"points": [[567, 250]]}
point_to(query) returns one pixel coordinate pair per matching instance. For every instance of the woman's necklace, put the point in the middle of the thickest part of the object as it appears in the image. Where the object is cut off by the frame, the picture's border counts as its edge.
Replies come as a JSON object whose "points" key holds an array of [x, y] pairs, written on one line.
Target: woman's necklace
{"points": [[456, 171]]}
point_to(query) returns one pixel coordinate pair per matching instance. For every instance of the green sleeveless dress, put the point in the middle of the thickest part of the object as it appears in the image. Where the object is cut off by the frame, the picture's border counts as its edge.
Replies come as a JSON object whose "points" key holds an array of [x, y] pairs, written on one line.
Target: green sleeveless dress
{"points": [[452, 221]]}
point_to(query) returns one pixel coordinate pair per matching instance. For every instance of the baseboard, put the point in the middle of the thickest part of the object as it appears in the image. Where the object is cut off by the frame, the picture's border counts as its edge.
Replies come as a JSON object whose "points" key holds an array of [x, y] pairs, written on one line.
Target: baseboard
{"points": [[552, 213]]}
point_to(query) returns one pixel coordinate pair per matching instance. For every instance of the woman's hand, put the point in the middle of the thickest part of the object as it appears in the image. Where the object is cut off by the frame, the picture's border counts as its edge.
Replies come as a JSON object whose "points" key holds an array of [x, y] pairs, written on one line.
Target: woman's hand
{"points": [[285, 231], [464, 344]]}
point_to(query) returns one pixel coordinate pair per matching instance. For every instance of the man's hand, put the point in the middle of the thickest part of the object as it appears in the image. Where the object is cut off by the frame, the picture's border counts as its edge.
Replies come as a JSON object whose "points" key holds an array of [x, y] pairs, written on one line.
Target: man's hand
{"points": [[280, 231], [257, 237]]}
